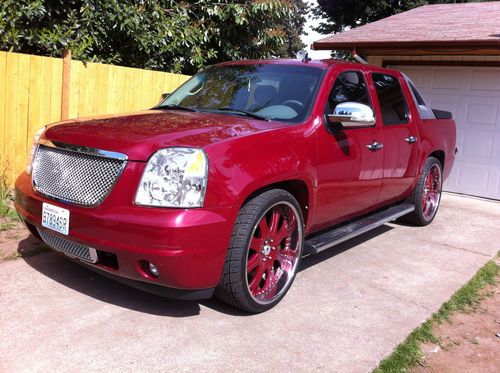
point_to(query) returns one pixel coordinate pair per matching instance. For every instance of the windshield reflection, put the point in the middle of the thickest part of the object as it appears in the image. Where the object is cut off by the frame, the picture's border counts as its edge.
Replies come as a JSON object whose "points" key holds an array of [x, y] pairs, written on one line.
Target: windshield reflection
{"points": [[260, 91]]}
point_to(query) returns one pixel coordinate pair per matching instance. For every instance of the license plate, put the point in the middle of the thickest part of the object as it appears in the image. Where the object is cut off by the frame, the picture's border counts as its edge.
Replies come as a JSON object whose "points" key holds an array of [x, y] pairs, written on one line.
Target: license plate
{"points": [[55, 218]]}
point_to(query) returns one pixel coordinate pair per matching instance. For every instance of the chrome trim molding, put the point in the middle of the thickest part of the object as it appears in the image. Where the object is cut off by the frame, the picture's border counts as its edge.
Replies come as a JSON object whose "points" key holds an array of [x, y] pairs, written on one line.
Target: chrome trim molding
{"points": [[84, 149]]}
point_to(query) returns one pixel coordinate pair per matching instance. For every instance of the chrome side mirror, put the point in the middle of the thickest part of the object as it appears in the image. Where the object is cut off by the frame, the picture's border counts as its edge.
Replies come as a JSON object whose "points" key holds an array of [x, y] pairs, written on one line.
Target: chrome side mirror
{"points": [[352, 115]]}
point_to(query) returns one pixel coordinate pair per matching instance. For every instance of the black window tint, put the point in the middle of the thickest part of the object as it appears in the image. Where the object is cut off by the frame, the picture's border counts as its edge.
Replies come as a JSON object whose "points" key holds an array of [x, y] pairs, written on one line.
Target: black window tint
{"points": [[392, 101], [417, 95], [350, 86]]}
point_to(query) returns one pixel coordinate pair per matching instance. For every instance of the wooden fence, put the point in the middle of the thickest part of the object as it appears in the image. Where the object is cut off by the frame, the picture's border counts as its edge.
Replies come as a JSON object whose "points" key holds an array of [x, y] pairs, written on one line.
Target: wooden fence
{"points": [[33, 93]]}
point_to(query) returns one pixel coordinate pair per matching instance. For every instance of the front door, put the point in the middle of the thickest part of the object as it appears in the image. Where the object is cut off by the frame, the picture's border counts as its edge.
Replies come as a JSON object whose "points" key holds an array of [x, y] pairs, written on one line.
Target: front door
{"points": [[349, 174]]}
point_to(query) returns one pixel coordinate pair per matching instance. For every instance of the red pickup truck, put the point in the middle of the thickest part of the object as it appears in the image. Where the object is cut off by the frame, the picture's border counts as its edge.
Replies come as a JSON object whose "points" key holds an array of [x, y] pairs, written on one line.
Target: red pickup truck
{"points": [[247, 167]]}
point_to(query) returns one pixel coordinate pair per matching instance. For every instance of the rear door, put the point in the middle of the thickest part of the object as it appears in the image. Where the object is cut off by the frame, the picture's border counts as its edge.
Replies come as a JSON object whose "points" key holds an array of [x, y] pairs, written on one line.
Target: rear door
{"points": [[400, 135]]}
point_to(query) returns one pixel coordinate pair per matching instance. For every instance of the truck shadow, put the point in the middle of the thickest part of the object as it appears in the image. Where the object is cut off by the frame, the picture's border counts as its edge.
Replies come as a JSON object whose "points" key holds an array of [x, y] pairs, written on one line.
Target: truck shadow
{"points": [[85, 281]]}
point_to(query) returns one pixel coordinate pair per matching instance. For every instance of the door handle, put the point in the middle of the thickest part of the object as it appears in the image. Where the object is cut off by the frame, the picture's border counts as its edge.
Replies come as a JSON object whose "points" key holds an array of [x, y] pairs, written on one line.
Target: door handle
{"points": [[411, 139], [374, 146]]}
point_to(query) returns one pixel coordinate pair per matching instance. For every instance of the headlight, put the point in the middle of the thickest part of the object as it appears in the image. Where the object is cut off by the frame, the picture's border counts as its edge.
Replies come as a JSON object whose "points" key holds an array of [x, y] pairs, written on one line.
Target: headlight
{"points": [[174, 177], [32, 152]]}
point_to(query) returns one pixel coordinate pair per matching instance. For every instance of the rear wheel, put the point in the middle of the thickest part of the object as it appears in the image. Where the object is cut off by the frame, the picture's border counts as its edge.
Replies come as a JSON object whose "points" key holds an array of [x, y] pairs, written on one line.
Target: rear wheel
{"points": [[264, 253], [427, 194]]}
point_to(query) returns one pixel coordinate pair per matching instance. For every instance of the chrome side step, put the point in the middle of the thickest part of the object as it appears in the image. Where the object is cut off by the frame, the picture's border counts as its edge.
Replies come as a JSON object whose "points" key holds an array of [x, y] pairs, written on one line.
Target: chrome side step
{"points": [[335, 236]]}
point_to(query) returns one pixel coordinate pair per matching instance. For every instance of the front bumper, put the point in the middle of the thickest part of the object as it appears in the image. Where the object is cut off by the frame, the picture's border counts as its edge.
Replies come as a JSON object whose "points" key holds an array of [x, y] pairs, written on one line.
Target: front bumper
{"points": [[188, 246]]}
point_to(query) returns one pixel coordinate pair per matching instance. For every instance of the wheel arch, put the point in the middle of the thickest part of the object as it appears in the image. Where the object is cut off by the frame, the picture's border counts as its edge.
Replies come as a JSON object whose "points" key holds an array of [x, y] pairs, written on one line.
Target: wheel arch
{"points": [[439, 155], [296, 187]]}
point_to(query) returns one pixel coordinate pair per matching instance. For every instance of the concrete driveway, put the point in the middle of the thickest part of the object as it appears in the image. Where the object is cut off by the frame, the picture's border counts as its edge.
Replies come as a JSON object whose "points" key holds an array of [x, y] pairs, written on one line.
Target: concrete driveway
{"points": [[349, 307]]}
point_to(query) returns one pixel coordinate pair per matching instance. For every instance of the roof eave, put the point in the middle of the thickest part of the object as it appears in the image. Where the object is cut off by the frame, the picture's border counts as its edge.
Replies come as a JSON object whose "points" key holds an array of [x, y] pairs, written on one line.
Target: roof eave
{"points": [[473, 44]]}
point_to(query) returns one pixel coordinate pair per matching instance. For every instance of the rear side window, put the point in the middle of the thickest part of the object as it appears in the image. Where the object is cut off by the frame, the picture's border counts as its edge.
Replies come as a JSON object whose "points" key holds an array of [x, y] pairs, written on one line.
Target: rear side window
{"points": [[392, 101], [424, 110]]}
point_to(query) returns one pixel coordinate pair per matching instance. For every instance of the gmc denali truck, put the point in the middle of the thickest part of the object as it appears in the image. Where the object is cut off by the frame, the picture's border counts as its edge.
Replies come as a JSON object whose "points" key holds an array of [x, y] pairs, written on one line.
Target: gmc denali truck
{"points": [[244, 169]]}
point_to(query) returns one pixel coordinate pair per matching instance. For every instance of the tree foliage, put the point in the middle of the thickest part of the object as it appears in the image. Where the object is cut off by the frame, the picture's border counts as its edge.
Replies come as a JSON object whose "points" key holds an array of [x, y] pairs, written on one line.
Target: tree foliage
{"points": [[173, 35], [342, 14]]}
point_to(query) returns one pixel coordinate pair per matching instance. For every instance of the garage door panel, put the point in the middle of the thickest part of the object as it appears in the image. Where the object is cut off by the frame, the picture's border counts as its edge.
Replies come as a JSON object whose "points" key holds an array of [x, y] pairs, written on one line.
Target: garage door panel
{"points": [[473, 178], [448, 103], [485, 79], [481, 111], [476, 147], [472, 94], [446, 79], [417, 76]]}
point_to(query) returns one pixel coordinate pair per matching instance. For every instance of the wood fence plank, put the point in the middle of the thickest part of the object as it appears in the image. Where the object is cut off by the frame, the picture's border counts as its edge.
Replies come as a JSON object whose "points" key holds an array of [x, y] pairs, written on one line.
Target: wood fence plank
{"points": [[56, 89], [35, 96], [11, 103], [3, 102], [22, 114]]}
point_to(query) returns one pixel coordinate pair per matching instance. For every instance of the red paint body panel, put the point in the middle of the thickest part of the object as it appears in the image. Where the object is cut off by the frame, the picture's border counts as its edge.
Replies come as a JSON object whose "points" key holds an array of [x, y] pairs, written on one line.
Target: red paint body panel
{"points": [[342, 179]]}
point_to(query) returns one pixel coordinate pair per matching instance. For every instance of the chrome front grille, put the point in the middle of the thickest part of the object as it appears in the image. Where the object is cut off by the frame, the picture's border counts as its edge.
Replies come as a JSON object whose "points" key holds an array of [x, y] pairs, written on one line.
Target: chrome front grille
{"points": [[68, 247], [77, 175]]}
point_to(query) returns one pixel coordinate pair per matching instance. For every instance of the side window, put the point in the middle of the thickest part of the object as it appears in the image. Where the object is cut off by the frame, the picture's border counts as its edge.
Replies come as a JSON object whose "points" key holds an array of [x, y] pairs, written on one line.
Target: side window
{"points": [[392, 101], [424, 109], [350, 86]]}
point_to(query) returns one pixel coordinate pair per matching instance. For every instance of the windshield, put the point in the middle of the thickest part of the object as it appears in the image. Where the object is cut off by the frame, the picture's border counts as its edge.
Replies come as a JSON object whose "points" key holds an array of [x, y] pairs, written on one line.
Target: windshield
{"points": [[267, 91]]}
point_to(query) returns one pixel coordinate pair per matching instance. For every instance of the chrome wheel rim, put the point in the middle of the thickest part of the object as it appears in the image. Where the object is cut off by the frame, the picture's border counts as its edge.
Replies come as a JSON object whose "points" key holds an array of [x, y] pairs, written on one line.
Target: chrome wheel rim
{"points": [[432, 192], [273, 253]]}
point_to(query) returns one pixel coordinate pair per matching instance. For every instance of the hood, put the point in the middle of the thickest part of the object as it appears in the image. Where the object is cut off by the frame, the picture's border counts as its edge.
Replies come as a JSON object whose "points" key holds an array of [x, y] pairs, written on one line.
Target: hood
{"points": [[138, 135]]}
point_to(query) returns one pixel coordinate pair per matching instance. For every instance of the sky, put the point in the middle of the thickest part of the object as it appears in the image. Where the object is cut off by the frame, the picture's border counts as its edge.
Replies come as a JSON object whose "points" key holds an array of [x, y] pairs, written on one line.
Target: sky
{"points": [[313, 36]]}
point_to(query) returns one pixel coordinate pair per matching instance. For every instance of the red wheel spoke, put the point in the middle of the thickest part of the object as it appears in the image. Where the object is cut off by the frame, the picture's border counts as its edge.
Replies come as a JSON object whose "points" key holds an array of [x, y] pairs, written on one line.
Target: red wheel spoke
{"points": [[255, 281], [289, 253], [256, 243], [253, 262], [275, 219], [264, 228], [281, 234], [292, 222]]}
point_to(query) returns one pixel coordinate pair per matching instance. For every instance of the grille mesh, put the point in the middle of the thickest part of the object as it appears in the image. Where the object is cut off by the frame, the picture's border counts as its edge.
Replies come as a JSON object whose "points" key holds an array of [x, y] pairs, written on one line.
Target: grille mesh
{"points": [[78, 178], [67, 246]]}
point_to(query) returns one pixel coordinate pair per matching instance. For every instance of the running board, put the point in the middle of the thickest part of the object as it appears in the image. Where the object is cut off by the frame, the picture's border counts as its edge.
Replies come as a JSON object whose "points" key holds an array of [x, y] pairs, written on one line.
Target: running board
{"points": [[335, 236]]}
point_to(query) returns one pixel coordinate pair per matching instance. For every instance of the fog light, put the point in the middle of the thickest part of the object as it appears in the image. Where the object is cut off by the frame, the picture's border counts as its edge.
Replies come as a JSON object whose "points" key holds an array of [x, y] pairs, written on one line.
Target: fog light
{"points": [[153, 270]]}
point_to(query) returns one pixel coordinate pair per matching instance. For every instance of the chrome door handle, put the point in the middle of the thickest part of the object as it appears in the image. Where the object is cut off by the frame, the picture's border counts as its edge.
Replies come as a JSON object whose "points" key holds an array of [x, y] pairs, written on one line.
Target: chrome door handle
{"points": [[374, 146], [411, 139]]}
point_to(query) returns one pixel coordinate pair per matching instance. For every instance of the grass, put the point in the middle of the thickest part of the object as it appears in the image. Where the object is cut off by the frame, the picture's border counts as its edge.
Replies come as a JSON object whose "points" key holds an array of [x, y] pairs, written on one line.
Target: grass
{"points": [[409, 354], [8, 216]]}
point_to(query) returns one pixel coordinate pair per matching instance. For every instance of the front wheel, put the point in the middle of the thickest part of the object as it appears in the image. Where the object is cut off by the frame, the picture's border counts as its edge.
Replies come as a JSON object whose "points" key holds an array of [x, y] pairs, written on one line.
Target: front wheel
{"points": [[264, 252], [427, 194]]}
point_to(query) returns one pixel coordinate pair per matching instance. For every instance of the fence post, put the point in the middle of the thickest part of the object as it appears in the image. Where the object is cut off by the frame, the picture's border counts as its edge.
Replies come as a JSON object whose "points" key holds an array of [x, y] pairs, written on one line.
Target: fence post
{"points": [[66, 77]]}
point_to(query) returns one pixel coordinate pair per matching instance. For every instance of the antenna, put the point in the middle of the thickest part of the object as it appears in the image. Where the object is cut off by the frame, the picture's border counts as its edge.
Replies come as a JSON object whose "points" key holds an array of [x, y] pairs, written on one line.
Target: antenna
{"points": [[358, 58]]}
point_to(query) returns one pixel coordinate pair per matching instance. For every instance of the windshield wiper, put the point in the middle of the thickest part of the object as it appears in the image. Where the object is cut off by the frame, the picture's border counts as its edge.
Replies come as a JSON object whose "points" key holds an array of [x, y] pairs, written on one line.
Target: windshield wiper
{"points": [[176, 107], [244, 112]]}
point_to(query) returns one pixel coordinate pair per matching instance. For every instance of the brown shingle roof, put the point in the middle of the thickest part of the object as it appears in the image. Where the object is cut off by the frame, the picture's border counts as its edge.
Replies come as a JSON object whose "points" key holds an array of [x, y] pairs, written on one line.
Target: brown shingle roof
{"points": [[453, 25]]}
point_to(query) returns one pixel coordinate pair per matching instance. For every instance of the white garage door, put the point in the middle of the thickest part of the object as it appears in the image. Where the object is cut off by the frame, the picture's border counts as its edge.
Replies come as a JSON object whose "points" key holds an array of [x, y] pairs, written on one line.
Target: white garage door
{"points": [[472, 94]]}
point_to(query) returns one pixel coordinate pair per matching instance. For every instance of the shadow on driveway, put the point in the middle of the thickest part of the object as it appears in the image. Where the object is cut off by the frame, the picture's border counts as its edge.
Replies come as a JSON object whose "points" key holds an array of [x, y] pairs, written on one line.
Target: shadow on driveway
{"points": [[102, 288]]}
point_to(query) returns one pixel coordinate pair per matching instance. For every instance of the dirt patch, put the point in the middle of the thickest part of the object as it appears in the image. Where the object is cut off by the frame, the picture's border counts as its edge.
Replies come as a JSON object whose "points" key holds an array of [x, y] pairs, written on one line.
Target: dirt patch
{"points": [[469, 341], [16, 241]]}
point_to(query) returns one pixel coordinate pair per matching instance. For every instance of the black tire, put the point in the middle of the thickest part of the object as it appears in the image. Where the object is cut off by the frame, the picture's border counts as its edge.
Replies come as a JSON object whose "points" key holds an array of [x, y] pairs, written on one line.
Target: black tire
{"points": [[236, 281], [421, 215]]}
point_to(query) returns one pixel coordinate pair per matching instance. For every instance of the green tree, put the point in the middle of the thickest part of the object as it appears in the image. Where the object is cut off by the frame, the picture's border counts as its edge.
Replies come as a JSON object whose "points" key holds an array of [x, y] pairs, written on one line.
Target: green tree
{"points": [[172, 35], [342, 14], [293, 28]]}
